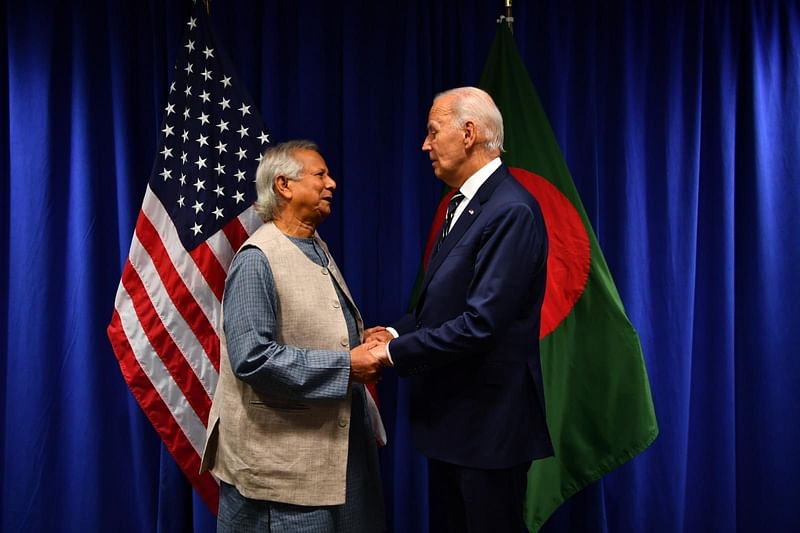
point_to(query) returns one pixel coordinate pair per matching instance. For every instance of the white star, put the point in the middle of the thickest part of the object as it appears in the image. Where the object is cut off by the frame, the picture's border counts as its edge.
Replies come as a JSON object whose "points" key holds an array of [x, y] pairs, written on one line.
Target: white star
{"points": [[242, 153], [186, 113], [188, 91], [207, 74], [183, 157], [209, 52], [242, 131], [226, 81], [166, 152], [167, 130], [180, 201], [192, 24], [182, 179], [218, 212], [171, 87], [239, 175], [200, 184], [203, 118], [221, 147], [203, 140], [197, 228], [220, 168], [170, 108], [197, 207], [219, 190], [223, 126], [190, 46], [225, 103], [264, 137], [185, 136], [201, 162], [245, 109], [204, 96], [239, 196], [166, 173], [189, 69]]}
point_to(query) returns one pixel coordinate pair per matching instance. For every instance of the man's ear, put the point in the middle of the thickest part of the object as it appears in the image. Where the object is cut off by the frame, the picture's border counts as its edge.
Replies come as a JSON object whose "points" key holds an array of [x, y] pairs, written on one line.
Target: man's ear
{"points": [[470, 134], [282, 188]]}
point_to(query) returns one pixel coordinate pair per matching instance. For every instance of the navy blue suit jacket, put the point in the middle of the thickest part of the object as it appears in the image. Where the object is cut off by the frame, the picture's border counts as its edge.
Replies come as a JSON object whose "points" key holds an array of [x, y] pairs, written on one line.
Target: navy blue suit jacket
{"points": [[472, 345]]}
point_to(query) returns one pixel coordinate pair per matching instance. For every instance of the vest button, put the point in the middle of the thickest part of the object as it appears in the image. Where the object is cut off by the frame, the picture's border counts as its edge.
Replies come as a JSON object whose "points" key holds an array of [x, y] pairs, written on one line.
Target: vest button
{"points": [[345, 341], [342, 423], [324, 271], [336, 305]]}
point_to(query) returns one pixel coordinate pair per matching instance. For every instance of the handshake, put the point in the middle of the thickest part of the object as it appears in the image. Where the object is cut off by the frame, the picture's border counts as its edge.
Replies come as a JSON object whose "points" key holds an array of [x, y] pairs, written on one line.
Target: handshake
{"points": [[368, 359]]}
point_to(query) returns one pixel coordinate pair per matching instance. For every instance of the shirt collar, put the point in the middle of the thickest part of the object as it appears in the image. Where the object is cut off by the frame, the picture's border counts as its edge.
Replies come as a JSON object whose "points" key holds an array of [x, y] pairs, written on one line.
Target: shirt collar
{"points": [[474, 182]]}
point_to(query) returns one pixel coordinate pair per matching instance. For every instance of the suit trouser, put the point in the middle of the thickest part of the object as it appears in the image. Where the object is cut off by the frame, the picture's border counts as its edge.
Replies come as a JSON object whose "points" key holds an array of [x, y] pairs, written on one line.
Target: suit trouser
{"points": [[476, 501]]}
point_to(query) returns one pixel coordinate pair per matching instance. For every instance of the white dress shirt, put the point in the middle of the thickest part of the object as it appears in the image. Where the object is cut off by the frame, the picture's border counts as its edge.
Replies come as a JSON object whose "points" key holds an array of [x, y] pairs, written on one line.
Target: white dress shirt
{"points": [[470, 187]]}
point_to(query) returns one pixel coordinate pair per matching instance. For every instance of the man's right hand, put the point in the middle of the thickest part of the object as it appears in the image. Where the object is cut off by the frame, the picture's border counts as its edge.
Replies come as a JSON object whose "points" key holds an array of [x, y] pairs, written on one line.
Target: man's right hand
{"points": [[365, 367], [377, 333]]}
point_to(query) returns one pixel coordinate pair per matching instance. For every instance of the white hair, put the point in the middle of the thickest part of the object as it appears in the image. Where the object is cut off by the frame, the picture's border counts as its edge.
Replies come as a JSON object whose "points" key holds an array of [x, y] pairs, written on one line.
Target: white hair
{"points": [[278, 160], [475, 105]]}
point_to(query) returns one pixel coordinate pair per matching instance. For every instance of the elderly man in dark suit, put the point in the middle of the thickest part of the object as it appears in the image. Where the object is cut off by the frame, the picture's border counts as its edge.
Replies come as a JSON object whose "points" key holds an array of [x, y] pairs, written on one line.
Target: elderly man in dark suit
{"points": [[471, 345]]}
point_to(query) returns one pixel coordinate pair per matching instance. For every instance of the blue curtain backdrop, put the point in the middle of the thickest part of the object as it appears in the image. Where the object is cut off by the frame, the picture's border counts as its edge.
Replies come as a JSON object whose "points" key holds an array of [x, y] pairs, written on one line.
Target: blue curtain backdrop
{"points": [[679, 122]]}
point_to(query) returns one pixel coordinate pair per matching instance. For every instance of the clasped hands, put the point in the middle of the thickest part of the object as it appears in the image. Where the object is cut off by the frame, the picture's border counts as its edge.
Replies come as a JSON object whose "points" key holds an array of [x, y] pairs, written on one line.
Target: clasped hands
{"points": [[367, 359]]}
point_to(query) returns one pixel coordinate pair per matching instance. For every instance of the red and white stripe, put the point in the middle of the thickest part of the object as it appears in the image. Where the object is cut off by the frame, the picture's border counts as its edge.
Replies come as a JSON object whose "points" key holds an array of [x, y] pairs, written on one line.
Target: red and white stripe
{"points": [[165, 329]]}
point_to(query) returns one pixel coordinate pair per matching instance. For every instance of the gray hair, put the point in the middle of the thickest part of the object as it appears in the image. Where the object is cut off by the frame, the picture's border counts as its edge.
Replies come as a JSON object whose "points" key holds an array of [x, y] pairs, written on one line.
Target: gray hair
{"points": [[473, 104], [278, 160]]}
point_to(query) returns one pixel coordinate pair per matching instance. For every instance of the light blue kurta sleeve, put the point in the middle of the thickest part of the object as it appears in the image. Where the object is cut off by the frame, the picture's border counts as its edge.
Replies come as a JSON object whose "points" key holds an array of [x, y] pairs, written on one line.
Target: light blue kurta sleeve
{"points": [[250, 311]]}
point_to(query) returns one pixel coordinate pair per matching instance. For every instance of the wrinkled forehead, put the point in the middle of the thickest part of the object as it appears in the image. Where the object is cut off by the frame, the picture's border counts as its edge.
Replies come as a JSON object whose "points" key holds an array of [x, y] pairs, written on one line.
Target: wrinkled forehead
{"points": [[441, 111], [310, 160]]}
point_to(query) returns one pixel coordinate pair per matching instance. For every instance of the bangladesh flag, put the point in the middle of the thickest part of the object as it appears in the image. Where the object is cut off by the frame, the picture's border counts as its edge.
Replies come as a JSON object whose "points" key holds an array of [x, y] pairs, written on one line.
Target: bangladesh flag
{"points": [[599, 407]]}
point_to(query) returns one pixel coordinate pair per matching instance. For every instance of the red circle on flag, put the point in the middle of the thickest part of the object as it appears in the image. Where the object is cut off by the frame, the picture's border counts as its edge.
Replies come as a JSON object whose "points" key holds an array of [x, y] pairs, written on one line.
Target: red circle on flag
{"points": [[569, 254]]}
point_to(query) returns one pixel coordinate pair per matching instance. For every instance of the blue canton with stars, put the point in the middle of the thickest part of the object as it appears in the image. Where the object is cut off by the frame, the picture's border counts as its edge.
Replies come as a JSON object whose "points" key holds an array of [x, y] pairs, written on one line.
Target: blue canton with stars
{"points": [[211, 142]]}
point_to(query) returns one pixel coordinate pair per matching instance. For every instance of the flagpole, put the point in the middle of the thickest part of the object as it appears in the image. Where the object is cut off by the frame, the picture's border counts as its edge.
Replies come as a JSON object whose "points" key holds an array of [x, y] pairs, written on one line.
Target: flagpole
{"points": [[507, 16]]}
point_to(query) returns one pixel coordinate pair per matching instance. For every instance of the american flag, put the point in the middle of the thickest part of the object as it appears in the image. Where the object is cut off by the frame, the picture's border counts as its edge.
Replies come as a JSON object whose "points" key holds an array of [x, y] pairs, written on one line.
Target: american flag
{"points": [[197, 211]]}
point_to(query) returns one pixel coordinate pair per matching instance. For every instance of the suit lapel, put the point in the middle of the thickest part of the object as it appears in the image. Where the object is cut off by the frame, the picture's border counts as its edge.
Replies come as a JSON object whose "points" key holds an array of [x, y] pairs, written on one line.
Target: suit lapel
{"points": [[463, 223]]}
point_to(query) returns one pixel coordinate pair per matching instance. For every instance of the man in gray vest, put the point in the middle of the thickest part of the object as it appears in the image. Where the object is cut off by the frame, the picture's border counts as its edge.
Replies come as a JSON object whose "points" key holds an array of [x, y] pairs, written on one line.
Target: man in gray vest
{"points": [[292, 430]]}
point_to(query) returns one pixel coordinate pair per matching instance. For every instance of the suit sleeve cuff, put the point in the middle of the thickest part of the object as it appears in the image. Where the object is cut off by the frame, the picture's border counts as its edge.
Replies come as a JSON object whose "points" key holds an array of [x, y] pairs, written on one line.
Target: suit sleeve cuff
{"points": [[388, 353]]}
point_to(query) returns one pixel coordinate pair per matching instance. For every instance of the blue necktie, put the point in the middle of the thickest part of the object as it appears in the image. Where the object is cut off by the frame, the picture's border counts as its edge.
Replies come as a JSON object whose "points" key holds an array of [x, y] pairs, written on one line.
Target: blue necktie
{"points": [[448, 217]]}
